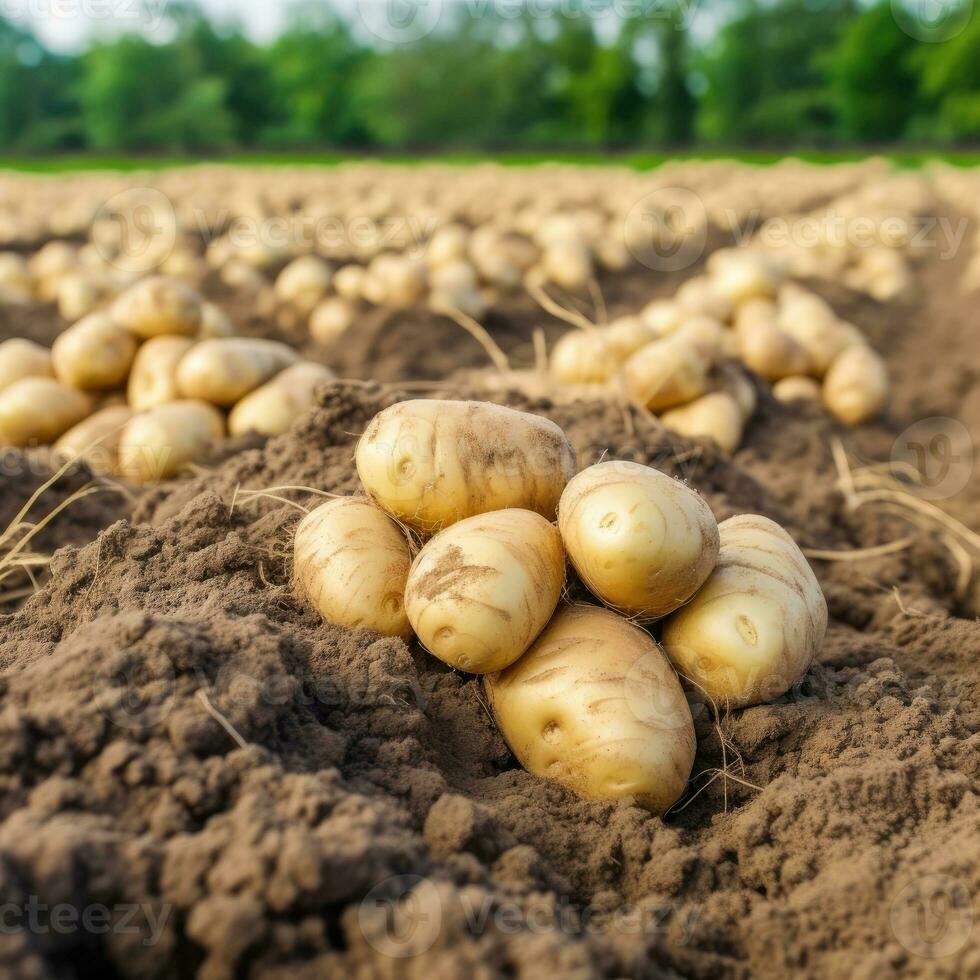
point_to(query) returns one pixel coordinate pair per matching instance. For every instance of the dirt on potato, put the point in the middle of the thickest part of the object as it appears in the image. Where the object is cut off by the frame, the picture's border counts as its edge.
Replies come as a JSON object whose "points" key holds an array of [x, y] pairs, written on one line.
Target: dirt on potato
{"points": [[202, 778]]}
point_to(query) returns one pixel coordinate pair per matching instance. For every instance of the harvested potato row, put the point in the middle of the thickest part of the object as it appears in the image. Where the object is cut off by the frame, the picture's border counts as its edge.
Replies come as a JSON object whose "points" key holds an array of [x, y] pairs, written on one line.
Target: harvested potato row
{"points": [[756, 625], [432, 463], [595, 705], [351, 561], [481, 591]]}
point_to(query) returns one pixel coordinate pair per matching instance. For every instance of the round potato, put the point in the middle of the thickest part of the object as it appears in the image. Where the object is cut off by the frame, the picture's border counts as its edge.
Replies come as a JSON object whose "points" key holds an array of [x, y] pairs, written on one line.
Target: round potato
{"points": [[755, 627], [481, 591], [272, 409], [96, 354], [643, 542], [36, 411], [351, 563], [158, 443], [432, 463], [595, 706], [225, 370]]}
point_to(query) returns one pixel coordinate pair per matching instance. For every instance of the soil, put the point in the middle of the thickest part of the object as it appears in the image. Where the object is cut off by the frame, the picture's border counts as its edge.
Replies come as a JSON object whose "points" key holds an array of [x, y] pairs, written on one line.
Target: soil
{"points": [[199, 777]]}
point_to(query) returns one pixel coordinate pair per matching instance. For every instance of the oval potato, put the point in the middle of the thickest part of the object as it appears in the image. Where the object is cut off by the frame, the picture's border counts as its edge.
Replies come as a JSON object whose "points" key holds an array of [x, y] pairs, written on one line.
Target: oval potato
{"points": [[716, 415], [36, 411], [96, 354], [20, 359], [594, 705], [272, 408], [153, 378], [755, 627], [351, 563], [156, 444], [225, 370], [641, 541], [432, 463], [856, 386], [481, 591], [159, 305], [97, 439], [665, 374]]}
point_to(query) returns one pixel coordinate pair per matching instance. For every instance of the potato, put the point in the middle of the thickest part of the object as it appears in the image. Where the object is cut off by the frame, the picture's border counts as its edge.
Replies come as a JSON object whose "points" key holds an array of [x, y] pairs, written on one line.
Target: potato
{"points": [[432, 463], [453, 277], [716, 415], [158, 443], [394, 280], [96, 354], [701, 297], [23, 359], [224, 371], [304, 282], [856, 386], [272, 408], [332, 319], [36, 411], [797, 388], [214, 323], [595, 706], [15, 275], [815, 327], [641, 541], [663, 316], [351, 563], [735, 380], [710, 337], [78, 295], [153, 378], [771, 352], [741, 276], [583, 357], [666, 373], [348, 282], [159, 305], [568, 263], [481, 591], [97, 439], [756, 311], [755, 627], [447, 244], [53, 260], [626, 335]]}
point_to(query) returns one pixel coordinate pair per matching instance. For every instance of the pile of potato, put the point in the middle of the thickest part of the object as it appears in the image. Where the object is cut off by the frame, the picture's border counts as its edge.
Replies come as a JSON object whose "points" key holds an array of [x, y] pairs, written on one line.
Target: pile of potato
{"points": [[676, 357], [471, 511], [141, 388]]}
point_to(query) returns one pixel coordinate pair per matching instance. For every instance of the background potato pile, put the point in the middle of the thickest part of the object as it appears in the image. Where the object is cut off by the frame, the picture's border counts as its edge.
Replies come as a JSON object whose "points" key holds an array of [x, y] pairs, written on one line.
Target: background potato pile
{"points": [[470, 514], [140, 388]]}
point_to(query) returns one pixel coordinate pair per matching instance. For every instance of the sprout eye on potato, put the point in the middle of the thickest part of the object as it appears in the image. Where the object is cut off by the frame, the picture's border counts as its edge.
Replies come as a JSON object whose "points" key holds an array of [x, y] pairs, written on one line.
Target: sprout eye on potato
{"points": [[432, 463], [481, 591], [758, 622], [352, 561], [643, 542], [595, 706]]}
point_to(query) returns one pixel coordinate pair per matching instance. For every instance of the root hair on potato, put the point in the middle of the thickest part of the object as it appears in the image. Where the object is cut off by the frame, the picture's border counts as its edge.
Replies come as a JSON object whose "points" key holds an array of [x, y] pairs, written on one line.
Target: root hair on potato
{"points": [[479, 333]]}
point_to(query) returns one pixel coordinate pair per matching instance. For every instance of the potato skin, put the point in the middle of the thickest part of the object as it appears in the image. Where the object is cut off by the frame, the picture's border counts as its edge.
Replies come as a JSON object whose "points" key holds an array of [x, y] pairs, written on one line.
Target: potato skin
{"points": [[856, 386], [432, 463], [351, 561], [643, 542], [95, 354], [665, 374], [21, 359], [159, 305], [755, 627], [272, 409], [153, 378], [481, 591], [39, 410], [157, 444], [595, 706], [225, 370], [716, 415], [97, 438]]}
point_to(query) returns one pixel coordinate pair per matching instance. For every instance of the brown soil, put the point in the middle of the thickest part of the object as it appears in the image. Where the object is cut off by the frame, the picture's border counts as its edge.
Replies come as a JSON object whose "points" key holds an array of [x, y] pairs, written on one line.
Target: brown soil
{"points": [[350, 768]]}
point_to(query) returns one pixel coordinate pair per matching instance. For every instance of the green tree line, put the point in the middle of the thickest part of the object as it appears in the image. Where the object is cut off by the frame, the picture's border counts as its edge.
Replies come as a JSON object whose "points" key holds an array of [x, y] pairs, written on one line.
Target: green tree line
{"points": [[775, 72]]}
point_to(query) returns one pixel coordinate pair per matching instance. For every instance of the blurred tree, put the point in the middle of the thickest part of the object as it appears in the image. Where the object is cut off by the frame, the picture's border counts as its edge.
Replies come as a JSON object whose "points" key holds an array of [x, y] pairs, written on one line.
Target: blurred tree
{"points": [[950, 86]]}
